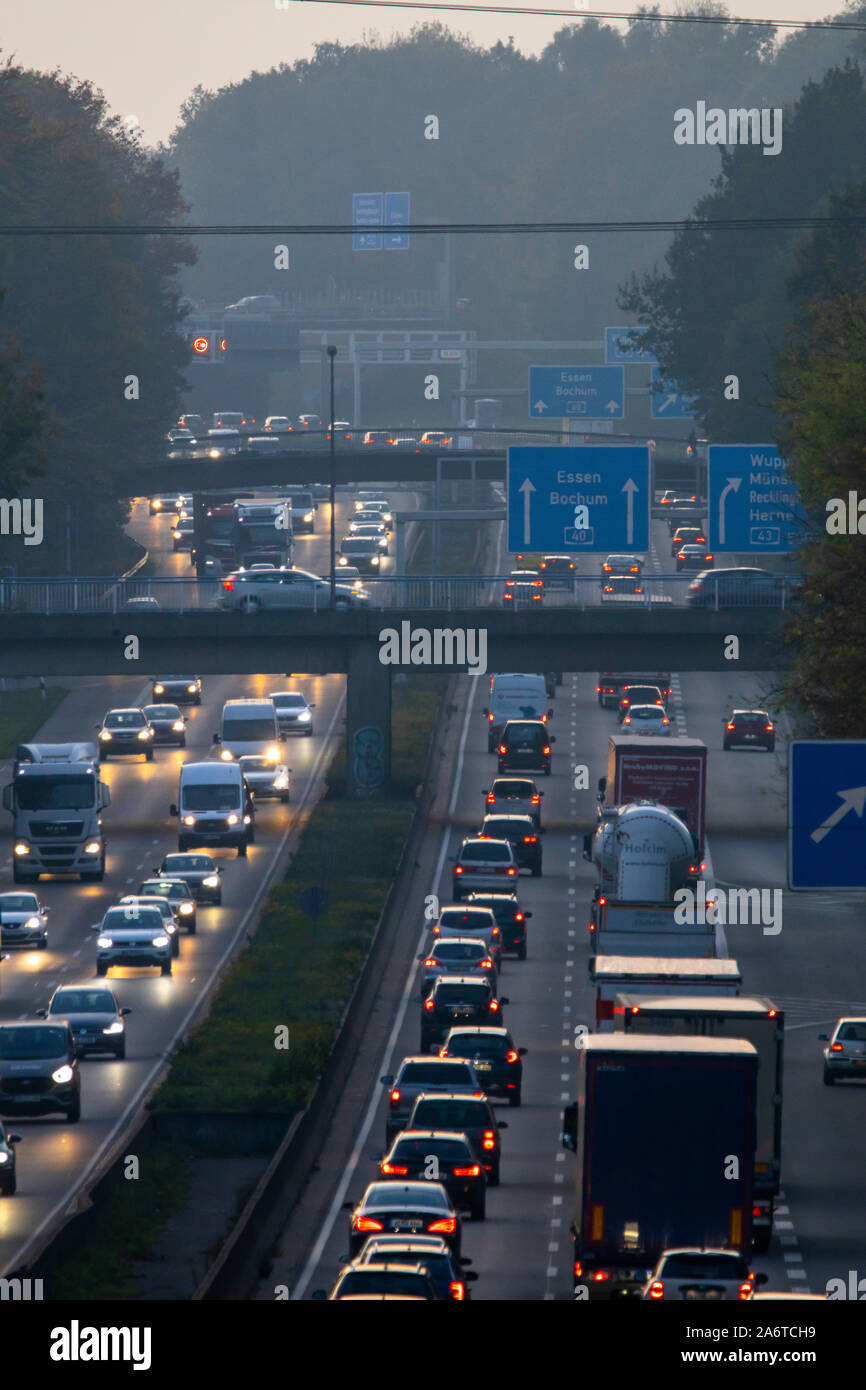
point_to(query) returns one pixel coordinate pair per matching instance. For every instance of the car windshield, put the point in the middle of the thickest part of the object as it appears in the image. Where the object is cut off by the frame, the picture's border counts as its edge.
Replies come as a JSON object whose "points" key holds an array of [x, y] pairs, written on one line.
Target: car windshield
{"points": [[450, 1114], [485, 852], [125, 719], [162, 712], [249, 764], [248, 730], [438, 1264], [438, 1073], [419, 1148], [522, 736], [645, 712], [133, 917], [55, 794], [180, 863], [158, 888], [19, 1044], [470, 1045], [289, 701], [392, 1195], [463, 994], [19, 902], [702, 1267], [501, 829], [210, 796], [504, 910], [386, 1281], [750, 718], [359, 547], [82, 1001], [521, 790], [852, 1032], [472, 918], [459, 951], [517, 700]]}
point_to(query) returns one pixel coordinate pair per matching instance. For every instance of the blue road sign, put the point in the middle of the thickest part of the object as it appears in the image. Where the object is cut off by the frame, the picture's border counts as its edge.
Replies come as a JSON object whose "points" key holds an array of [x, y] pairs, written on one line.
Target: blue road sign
{"points": [[367, 211], [397, 215], [577, 393], [753, 504], [618, 349], [826, 826], [589, 497], [668, 402]]}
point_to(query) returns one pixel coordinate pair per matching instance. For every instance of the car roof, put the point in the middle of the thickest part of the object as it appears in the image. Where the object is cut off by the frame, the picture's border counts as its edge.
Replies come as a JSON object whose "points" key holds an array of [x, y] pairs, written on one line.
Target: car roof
{"points": [[735, 712], [379, 1191], [481, 1031], [477, 1096], [507, 816], [426, 1057], [429, 1134], [457, 941]]}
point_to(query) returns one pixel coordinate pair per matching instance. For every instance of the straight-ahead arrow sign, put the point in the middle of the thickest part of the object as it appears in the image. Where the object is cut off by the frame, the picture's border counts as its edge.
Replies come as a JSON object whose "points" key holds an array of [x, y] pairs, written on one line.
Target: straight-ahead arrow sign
{"points": [[629, 487], [541, 405], [733, 485], [527, 488]]}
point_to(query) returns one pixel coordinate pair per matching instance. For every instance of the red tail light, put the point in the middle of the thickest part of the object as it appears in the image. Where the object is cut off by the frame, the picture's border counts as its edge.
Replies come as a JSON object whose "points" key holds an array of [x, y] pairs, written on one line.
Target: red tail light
{"points": [[627, 719], [731, 726], [511, 1056], [437, 931], [502, 748], [395, 1097], [430, 961], [544, 719], [745, 1291], [458, 1290], [535, 800], [443, 1052], [491, 799], [835, 1047], [546, 749], [634, 569], [394, 1169], [473, 1172], [489, 1140], [511, 872], [493, 1006], [490, 718], [429, 1005], [494, 931], [656, 1290], [578, 1269], [708, 557], [485, 965], [366, 1223], [518, 916], [446, 1227], [531, 839], [458, 868], [598, 690], [769, 728], [666, 721], [228, 585], [600, 1275]]}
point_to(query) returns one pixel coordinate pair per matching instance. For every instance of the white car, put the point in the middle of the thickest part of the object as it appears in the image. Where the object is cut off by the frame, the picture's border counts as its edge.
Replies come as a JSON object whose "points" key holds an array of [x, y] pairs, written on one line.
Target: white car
{"points": [[470, 923], [278, 424], [132, 938], [294, 714], [701, 1275], [845, 1053], [264, 778], [646, 719], [251, 591], [22, 920], [513, 796]]}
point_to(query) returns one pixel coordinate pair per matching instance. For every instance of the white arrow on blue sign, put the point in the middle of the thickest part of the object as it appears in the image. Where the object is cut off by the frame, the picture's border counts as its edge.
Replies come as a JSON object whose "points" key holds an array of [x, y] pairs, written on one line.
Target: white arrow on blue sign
{"points": [[617, 346], [753, 503], [826, 803], [397, 215], [668, 401], [367, 211], [593, 498], [576, 393]]}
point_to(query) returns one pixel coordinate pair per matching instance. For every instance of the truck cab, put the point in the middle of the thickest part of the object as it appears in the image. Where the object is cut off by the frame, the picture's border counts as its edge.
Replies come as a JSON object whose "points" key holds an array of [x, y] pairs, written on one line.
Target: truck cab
{"points": [[57, 825]]}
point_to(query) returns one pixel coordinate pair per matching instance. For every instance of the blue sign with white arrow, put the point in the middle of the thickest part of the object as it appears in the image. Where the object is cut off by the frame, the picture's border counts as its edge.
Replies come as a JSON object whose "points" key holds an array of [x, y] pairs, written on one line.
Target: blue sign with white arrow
{"points": [[826, 825], [668, 402], [753, 504], [397, 215], [589, 497], [367, 211], [576, 393], [617, 347]]}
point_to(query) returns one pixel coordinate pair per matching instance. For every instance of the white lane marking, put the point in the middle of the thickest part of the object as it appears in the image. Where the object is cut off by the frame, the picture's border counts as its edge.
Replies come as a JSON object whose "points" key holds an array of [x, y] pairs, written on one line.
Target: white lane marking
{"points": [[19, 1257], [369, 1115]]}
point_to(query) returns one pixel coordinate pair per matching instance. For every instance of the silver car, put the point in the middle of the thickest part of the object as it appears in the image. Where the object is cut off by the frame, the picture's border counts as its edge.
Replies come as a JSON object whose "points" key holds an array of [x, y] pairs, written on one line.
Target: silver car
{"points": [[265, 779], [649, 720], [137, 938], [22, 921], [845, 1053], [168, 913], [93, 1014], [293, 712], [251, 591], [200, 871], [704, 1275], [514, 796], [459, 955], [482, 863], [475, 923]]}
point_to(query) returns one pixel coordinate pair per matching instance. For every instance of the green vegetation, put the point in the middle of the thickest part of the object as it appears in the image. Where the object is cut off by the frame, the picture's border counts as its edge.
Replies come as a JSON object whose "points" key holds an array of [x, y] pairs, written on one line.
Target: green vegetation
{"points": [[20, 709]]}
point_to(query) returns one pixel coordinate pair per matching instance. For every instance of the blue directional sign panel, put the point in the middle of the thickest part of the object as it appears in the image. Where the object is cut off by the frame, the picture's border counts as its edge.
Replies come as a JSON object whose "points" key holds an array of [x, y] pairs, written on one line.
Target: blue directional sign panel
{"points": [[576, 393], [397, 215], [753, 504], [617, 347], [826, 825], [367, 211], [589, 497], [668, 402]]}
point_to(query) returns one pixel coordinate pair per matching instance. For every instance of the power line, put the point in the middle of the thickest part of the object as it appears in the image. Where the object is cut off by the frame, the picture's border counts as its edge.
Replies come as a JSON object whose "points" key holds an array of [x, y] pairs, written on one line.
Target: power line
{"points": [[600, 14], [688, 224]]}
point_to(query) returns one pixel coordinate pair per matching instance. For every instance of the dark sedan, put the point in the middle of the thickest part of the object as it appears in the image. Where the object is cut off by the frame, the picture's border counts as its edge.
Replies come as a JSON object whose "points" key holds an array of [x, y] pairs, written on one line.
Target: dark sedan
{"points": [[408, 1208], [450, 1156], [457, 999], [168, 724], [511, 919], [494, 1056], [93, 1014]]}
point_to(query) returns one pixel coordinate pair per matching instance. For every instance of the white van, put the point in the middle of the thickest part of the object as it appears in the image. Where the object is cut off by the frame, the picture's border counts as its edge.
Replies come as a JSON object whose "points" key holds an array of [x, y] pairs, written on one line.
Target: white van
{"points": [[514, 695], [215, 807], [249, 726]]}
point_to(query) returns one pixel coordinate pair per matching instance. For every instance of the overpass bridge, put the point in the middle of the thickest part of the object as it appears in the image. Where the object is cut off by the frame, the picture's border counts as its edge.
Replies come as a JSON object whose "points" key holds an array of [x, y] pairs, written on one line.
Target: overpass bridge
{"points": [[355, 642]]}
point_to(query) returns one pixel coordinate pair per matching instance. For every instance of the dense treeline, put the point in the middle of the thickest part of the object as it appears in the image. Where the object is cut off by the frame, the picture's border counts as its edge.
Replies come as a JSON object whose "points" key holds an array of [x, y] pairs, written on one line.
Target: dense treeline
{"points": [[80, 315]]}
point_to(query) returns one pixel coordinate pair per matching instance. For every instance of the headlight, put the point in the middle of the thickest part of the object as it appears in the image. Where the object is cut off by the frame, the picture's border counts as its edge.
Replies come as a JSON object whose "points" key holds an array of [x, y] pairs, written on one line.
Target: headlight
{"points": [[115, 1027], [273, 755], [374, 559], [226, 756], [177, 534], [159, 690], [232, 819], [308, 516], [161, 940], [191, 689], [62, 1074], [33, 923], [383, 542], [189, 820], [212, 881], [93, 847], [104, 734], [145, 734], [186, 909], [4, 1156], [386, 516], [156, 504], [304, 717], [104, 943], [177, 726], [21, 847]]}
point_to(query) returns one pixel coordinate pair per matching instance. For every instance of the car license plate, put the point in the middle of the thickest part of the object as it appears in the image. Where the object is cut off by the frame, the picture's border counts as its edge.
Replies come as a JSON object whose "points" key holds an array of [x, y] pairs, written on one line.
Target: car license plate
{"points": [[482, 1066], [750, 737], [414, 1224]]}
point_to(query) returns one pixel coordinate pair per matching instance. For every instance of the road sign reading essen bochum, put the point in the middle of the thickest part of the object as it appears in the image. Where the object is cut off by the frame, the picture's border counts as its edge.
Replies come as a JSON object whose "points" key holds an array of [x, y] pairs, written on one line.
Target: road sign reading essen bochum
{"points": [[593, 497]]}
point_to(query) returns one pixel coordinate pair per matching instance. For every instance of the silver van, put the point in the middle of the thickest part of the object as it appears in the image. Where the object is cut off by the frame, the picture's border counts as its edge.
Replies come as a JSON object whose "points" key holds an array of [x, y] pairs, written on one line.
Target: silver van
{"points": [[214, 807], [249, 726]]}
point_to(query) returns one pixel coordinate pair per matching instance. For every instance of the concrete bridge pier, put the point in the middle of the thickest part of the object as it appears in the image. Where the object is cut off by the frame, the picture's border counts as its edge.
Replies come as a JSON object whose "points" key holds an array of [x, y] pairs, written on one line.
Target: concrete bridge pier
{"points": [[368, 722]]}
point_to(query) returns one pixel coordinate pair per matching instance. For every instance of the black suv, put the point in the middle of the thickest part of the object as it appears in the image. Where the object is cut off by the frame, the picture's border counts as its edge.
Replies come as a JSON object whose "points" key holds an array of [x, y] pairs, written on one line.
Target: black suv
{"points": [[510, 917], [525, 743], [493, 1055], [39, 1070], [470, 1113], [457, 999], [522, 834]]}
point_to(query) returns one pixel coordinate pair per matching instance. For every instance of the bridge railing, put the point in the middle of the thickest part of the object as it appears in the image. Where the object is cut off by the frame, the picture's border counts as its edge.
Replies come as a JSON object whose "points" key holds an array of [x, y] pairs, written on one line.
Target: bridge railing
{"points": [[439, 592]]}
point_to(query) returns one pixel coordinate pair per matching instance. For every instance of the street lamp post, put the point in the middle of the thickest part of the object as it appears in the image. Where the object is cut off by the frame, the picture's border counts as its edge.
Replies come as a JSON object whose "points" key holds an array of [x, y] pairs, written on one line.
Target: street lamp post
{"points": [[332, 352]]}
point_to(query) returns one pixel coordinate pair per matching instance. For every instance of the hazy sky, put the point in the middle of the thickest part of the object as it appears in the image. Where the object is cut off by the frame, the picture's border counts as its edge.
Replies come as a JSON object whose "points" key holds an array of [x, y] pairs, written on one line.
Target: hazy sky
{"points": [[147, 57]]}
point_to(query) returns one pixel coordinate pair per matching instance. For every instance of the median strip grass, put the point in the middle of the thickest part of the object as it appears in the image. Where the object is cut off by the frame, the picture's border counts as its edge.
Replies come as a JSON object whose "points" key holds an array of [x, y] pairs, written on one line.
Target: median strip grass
{"points": [[20, 710]]}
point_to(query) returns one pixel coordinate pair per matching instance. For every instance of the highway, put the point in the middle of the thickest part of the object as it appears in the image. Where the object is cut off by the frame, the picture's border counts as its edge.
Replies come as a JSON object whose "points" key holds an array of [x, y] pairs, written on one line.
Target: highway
{"points": [[523, 1249]]}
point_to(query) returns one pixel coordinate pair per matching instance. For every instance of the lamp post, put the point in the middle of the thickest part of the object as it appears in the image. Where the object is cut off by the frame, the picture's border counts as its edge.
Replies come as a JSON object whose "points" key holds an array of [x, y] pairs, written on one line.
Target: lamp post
{"points": [[332, 352]]}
